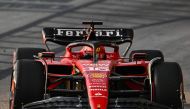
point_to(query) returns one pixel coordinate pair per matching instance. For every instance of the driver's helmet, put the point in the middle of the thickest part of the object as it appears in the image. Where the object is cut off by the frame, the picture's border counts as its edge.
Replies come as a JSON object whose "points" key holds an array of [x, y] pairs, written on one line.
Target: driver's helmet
{"points": [[88, 52]]}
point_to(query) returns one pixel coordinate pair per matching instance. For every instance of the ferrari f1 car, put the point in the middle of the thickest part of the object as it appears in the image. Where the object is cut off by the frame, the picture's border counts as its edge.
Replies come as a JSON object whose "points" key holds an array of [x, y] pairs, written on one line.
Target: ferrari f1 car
{"points": [[92, 74]]}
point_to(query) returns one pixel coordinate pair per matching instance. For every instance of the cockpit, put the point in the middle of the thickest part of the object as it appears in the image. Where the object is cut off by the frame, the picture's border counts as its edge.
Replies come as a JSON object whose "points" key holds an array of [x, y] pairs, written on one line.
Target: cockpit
{"points": [[92, 50]]}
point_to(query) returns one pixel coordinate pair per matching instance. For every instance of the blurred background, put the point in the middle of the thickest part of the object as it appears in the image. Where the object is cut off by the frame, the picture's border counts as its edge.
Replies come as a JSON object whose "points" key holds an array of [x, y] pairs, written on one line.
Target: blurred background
{"points": [[158, 24]]}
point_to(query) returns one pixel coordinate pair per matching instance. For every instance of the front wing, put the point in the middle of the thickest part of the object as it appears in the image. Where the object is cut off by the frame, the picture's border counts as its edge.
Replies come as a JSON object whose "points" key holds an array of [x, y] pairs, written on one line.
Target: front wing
{"points": [[82, 103]]}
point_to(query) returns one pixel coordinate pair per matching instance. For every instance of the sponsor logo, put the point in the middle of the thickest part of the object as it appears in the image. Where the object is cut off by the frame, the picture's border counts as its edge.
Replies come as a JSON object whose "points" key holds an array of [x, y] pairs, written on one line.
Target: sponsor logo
{"points": [[69, 32], [96, 67], [97, 86], [97, 75], [98, 94], [81, 32], [98, 89], [97, 80]]}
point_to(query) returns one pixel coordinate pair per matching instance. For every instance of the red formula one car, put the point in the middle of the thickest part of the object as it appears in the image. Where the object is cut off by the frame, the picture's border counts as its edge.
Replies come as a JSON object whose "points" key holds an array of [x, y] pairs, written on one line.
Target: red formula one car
{"points": [[92, 74]]}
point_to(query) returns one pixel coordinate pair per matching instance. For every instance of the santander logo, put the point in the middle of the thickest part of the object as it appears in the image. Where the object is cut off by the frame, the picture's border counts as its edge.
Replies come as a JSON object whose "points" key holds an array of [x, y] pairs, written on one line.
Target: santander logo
{"points": [[98, 94]]}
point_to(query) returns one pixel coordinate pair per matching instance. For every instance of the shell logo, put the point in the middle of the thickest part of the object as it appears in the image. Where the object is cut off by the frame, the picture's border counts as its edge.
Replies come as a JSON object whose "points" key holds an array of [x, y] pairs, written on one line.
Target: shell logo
{"points": [[98, 75]]}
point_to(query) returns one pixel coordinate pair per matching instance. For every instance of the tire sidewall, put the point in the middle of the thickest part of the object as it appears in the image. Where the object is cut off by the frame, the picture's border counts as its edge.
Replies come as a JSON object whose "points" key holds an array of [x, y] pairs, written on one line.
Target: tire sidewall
{"points": [[167, 82], [29, 86]]}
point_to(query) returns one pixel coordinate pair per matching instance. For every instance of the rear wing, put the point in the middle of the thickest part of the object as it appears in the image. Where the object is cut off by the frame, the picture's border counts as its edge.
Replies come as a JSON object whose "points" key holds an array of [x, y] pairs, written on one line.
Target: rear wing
{"points": [[64, 36]]}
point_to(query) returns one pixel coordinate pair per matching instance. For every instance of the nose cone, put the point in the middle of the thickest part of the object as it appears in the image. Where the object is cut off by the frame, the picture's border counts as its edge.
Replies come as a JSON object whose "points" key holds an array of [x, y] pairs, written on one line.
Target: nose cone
{"points": [[96, 76], [98, 102], [97, 87]]}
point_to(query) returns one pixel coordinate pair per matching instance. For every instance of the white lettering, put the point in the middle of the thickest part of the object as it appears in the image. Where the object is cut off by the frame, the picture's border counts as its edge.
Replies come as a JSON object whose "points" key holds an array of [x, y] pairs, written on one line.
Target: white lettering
{"points": [[109, 33], [118, 33], [96, 69], [60, 31], [98, 33], [69, 33], [96, 65], [79, 33]]}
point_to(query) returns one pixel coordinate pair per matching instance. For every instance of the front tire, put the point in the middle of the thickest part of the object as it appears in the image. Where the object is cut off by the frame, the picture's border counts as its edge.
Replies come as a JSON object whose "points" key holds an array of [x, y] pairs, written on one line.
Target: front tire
{"points": [[167, 84], [27, 53], [27, 83]]}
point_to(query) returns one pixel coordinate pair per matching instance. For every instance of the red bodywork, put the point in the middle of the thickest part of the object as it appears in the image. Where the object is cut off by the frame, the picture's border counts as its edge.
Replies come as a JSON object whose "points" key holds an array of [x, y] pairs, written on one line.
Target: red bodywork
{"points": [[96, 74], [97, 61], [92, 73]]}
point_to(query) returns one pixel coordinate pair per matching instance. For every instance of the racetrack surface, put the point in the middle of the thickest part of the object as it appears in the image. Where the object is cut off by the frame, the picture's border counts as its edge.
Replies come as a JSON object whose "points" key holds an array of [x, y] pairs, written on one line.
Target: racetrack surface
{"points": [[158, 24]]}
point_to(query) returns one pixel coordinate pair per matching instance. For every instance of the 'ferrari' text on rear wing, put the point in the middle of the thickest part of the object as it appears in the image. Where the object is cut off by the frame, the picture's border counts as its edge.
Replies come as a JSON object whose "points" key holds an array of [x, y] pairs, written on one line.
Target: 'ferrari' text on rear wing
{"points": [[64, 36], [98, 32]]}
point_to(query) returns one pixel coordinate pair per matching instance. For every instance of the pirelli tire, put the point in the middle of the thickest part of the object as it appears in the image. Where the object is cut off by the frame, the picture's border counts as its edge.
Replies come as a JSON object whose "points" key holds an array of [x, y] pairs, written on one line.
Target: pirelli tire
{"points": [[27, 53], [168, 85], [27, 83], [150, 54]]}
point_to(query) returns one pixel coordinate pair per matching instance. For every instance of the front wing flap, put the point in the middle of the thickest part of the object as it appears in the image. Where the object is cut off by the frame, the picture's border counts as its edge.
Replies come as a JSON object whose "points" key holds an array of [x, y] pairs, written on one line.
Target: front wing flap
{"points": [[82, 103]]}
